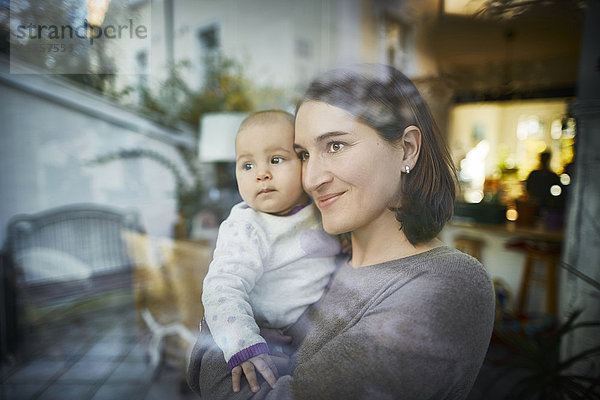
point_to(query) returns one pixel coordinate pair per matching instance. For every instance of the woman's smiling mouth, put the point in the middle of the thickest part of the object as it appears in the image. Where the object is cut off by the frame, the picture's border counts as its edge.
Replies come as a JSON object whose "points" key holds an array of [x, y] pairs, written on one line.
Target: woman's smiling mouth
{"points": [[328, 199]]}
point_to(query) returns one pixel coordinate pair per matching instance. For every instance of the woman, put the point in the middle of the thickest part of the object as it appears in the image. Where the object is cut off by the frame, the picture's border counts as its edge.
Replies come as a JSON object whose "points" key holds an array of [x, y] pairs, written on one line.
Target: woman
{"points": [[406, 316]]}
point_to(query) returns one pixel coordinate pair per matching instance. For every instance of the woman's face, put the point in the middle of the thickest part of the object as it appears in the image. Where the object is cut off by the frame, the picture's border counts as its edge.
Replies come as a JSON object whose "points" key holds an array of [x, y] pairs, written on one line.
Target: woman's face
{"points": [[352, 174]]}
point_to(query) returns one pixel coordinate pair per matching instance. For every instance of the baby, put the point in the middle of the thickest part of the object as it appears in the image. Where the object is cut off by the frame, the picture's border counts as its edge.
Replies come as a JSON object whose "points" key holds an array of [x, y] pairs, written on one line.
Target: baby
{"points": [[272, 258]]}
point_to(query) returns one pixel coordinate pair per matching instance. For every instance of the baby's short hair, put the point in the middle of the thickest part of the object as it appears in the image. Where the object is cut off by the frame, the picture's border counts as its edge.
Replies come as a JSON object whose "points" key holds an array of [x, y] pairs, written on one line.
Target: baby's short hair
{"points": [[264, 117]]}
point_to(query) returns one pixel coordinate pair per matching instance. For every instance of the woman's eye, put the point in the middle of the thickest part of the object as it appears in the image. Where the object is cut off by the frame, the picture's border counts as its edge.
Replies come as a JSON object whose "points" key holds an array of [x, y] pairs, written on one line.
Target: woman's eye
{"points": [[276, 160], [247, 166], [303, 155], [335, 147]]}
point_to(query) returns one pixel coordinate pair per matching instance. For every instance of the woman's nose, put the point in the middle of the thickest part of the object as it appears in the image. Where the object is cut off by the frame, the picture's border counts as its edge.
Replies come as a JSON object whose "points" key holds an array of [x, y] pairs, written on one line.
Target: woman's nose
{"points": [[314, 175]]}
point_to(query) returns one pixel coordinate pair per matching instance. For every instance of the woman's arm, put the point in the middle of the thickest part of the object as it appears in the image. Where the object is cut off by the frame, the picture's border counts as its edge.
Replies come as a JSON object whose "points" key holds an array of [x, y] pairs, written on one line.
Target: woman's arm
{"points": [[363, 362], [208, 373], [425, 340]]}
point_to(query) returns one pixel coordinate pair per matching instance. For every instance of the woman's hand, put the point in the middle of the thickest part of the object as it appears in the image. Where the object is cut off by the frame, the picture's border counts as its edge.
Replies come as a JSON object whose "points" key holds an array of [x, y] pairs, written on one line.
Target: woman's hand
{"points": [[274, 336], [263, 364]]}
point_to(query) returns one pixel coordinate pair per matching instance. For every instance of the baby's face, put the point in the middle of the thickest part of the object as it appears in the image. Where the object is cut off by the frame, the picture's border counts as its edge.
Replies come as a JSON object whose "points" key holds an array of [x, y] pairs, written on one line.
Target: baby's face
{"points": [[268, 171]]}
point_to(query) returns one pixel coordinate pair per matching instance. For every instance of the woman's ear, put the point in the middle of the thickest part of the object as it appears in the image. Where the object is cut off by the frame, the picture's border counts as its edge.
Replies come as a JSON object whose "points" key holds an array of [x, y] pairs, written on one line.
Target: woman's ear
{"points": [[411, 143]]}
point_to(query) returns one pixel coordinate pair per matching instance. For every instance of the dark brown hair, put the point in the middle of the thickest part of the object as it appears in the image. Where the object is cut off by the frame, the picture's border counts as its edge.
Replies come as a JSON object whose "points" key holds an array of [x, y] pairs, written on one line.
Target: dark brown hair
{"points": [[386, 100]]}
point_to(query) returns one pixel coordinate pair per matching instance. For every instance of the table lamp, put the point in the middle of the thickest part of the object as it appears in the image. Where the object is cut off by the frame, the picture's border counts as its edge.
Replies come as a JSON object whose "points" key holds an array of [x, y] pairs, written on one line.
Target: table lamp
{"points": [[217, 136]]}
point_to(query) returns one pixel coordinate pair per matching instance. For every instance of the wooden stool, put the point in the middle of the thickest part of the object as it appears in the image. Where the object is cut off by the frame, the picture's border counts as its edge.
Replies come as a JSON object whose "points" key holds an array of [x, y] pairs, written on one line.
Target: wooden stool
{"points": [[548, 253], [469, 246]]}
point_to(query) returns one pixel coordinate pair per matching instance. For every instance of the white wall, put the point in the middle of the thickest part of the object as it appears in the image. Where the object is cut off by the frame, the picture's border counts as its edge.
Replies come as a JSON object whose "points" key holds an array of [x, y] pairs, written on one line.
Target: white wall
{"points": [[50, 130], [279, 43], [265, 36]]}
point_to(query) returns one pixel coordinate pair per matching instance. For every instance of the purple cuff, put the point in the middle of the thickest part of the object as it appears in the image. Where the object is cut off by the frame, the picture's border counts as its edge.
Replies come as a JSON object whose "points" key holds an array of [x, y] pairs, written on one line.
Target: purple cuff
{"points": [[247, 354]]}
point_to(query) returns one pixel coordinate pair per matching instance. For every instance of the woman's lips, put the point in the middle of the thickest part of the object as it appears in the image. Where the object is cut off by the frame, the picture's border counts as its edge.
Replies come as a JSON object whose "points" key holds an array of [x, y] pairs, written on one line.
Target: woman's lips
{"points": [[328, 199]]}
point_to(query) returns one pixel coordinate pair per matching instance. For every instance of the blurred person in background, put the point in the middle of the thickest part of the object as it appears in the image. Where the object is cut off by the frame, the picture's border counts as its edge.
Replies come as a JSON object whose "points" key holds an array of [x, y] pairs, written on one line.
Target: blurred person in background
{"points": [[543, 186]]}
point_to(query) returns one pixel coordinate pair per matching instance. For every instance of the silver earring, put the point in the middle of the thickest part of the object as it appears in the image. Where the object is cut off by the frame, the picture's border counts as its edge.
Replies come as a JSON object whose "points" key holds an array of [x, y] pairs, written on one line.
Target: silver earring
{"points": [[407, 169]]}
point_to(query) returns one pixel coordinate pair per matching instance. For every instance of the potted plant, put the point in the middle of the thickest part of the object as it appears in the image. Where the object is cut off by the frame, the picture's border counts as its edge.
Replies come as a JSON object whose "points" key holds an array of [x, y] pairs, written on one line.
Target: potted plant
{"points": [[541, 372]]}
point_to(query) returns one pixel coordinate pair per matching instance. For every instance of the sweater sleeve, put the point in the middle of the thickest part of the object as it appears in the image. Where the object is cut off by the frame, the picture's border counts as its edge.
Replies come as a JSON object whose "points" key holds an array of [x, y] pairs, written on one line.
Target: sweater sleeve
{"points": [[236, 266]]}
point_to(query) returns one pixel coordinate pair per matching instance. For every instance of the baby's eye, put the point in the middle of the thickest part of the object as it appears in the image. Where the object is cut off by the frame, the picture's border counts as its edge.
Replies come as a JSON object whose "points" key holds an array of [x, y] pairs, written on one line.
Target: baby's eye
{"points": [[276, 160], [303, 155], [334, 147], [247, 166]]}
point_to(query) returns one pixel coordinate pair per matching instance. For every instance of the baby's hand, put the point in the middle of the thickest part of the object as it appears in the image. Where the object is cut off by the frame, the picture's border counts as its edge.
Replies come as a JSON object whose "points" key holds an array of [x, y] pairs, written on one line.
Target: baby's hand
{"points": [[263, 364]]}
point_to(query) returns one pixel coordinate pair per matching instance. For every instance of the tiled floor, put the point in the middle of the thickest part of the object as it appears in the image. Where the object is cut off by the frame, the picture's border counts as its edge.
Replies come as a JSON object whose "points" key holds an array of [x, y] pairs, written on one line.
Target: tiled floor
{"points": [[99, 354]]}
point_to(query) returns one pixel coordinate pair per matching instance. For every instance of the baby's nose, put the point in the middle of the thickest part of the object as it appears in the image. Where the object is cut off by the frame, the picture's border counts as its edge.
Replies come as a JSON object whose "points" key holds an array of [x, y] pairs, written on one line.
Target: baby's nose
{"points": [[263, 175]]}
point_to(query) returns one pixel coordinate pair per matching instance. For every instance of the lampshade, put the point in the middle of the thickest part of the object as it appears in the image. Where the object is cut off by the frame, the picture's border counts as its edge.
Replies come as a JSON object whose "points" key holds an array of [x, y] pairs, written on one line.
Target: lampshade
{"points": [[217, 136]]}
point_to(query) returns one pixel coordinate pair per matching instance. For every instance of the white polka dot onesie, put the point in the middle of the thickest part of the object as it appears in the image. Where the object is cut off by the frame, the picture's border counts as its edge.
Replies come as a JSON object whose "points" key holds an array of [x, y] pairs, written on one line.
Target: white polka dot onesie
{"points": [[266, 271]]}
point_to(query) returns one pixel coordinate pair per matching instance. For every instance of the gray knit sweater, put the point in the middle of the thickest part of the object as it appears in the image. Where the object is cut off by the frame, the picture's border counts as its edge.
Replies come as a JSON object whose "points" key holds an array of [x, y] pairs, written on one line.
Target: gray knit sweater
{"points": [[413, 328]]}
